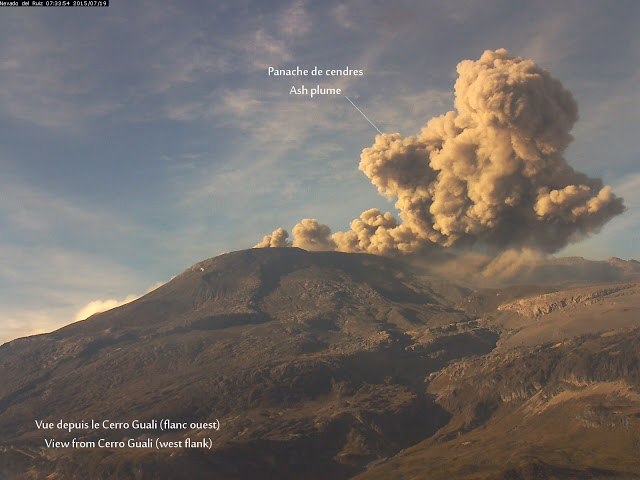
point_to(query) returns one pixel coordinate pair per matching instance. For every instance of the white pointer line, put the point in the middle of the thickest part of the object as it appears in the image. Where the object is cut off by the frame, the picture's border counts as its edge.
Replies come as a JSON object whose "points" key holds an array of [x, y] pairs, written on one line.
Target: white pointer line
{"points": [[363, 115]]}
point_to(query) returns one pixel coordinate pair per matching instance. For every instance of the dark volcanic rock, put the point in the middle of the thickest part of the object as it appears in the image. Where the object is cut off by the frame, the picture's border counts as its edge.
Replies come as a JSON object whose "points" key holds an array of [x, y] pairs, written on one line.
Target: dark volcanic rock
{"points": [[307, 359], [330, 365]]}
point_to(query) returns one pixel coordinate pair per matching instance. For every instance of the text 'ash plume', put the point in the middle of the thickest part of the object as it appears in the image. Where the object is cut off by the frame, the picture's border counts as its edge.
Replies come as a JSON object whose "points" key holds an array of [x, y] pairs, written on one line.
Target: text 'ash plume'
{"points": [[490, 172]]}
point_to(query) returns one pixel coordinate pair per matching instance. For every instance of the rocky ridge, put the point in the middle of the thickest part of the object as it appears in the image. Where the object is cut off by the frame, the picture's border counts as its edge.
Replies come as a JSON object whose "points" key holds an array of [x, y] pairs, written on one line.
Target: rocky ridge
{"points": [[330, 365]]}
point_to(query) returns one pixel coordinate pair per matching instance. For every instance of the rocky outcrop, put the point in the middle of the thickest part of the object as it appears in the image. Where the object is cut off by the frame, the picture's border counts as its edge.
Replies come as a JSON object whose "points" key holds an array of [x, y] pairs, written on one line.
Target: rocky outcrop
{"points": [[538, 306]]}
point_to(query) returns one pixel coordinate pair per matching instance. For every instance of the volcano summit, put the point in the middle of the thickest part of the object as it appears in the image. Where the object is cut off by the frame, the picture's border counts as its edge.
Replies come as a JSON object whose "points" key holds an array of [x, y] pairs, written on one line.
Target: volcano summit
{"points": [[333, 365]]}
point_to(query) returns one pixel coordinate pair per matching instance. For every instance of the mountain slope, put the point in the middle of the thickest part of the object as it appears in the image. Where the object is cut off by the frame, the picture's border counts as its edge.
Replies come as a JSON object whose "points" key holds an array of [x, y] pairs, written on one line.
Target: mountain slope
{"points": [[569, 411], [292, 351], [315, 363]]}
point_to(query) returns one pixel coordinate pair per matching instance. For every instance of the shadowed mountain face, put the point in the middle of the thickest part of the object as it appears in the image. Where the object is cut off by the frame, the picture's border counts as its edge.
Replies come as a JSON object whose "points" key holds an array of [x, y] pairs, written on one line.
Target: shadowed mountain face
{"points": [[328, 365], [563, 411]]}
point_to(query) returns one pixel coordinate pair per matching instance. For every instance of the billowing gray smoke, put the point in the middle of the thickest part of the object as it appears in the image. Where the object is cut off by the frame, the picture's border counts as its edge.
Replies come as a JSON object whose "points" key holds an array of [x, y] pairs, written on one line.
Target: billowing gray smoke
{"points": [[490, 172]]}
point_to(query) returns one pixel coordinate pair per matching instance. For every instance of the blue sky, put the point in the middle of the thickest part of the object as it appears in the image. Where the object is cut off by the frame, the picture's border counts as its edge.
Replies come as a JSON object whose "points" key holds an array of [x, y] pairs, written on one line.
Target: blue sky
{"points": [[138, 139]]}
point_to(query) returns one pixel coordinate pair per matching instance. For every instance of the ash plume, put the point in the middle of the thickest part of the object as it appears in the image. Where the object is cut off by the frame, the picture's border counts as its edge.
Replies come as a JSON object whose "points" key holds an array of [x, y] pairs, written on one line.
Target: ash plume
{"points": [[277, 239], [491, 172]]}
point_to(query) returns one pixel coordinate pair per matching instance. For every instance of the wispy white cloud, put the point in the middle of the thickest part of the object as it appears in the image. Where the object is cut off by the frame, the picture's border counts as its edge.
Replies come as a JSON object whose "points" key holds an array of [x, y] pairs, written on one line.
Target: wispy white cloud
{"points": [[408, 112], [606, 115], [557, 33], [99, 306], [28, 321], [342, 15], [68, 83], [252, 155], [60, 276], [295, 21], [46, 277], [43, 82], [368, 16], [44, 216], [240, 103], [227, 104], [268, 50]]}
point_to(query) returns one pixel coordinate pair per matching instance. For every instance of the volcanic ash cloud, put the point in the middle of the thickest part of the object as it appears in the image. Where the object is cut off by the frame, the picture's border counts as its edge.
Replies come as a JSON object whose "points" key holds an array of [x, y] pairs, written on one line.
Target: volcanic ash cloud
{"points": [[490, 172], [277, 239]]}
